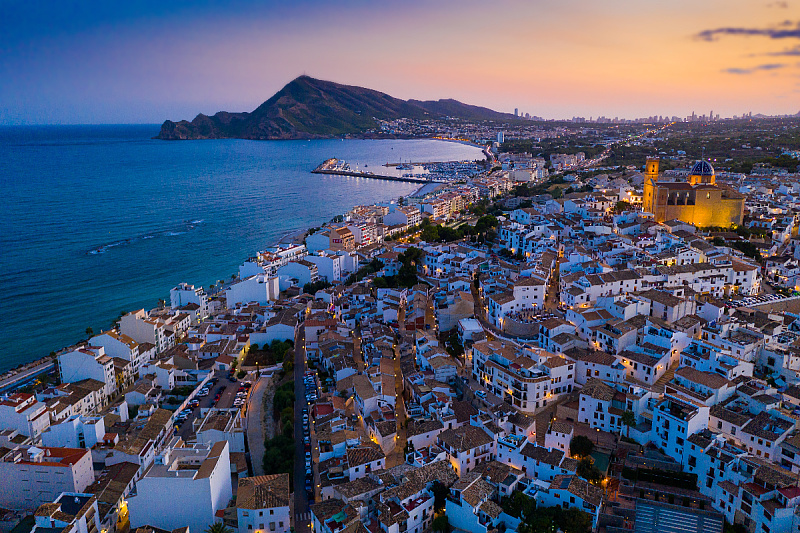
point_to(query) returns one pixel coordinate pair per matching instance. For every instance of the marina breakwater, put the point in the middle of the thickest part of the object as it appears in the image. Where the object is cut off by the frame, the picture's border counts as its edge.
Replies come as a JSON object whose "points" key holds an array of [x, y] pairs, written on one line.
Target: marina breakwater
{"points": [[340, 168]]}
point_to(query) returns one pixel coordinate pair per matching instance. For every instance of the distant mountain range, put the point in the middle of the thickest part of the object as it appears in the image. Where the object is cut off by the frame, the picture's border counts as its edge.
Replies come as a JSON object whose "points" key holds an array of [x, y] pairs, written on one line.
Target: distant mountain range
{"points": [[307, 108]]}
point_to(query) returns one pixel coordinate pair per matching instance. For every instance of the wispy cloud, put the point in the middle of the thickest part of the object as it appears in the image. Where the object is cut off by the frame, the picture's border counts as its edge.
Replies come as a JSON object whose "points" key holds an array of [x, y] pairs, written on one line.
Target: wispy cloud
{"points": [[757, 68], [779, 5], [785, 30], [791, 52]]}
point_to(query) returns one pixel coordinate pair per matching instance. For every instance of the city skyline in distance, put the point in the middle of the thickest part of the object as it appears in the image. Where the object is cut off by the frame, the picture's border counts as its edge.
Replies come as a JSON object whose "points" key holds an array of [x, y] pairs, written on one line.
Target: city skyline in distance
{"points": [[71, 63]]}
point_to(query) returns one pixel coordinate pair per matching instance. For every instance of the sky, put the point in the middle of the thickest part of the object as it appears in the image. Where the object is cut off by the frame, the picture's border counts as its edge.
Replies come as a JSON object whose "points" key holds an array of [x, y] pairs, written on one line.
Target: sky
{"points": [[79, 62]]}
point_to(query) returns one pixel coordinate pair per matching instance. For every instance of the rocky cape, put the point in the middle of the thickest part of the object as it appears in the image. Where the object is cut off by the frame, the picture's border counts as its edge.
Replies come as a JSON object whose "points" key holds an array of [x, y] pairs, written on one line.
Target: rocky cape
{"points": [[308, 108]]}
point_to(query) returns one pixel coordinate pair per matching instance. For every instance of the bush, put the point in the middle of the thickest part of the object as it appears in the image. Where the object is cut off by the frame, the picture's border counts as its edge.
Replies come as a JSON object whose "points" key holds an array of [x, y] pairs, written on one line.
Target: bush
{"points": [[279, 455], [284, 398]]}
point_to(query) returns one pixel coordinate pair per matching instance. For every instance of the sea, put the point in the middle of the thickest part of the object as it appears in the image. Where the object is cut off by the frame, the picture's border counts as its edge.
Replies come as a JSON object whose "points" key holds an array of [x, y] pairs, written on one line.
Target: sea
{"points": [[100, 220]]}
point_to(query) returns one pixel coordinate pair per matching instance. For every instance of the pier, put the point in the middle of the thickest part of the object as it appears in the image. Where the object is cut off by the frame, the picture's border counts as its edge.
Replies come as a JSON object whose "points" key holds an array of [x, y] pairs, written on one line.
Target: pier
{"points": [[332, 166]]}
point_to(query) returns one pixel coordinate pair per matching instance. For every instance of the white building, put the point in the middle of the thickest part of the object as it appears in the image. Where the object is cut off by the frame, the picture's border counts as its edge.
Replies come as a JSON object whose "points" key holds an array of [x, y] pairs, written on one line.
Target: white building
{"points": [[185, 294], [119, 345], [22, 412], [72, 512], [467, 447], [184, 487], [91, 363], [262, 504], [222, 425], [260, 288], [31, 476], [329, 265], [75, 432], [140, 327], [674, 420], [298, 272], [408, 216]]}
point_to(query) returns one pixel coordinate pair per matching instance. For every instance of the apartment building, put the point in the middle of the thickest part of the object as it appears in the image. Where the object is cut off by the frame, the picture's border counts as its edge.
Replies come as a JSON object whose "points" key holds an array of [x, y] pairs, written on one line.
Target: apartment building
{"points": [[674, 420], [222, 425], [88, 363], [72, 512], [516, 377], [31, 476], [185, 294], [140, 327], [186, 486], [467, 447], [23, 413], [408, 217], [259, 288], [77, 431], [262, 504], [119, 345]]}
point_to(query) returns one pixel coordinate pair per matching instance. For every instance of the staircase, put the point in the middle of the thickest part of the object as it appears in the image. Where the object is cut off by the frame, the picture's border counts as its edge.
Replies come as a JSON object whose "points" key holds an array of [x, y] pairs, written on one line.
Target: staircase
{"points": [[659, 385]]}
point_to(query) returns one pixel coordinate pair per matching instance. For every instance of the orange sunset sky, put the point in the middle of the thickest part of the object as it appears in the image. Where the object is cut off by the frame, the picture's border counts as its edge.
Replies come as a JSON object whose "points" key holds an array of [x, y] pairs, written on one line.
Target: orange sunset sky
{"points": [[74, 63]]}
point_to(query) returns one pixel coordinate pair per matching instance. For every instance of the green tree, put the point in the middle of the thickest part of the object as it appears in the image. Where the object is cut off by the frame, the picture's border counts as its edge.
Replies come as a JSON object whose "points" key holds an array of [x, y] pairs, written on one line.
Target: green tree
{"points": [[588, 471], [573, 520], [539, 523], [581, 446], [621, 206], [90, 331], [441, 524], [440, 492]]}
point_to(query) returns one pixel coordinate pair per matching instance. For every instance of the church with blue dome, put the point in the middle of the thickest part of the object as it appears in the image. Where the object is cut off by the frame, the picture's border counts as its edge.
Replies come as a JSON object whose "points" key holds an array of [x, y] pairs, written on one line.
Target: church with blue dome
{"points": [[698, 200]]}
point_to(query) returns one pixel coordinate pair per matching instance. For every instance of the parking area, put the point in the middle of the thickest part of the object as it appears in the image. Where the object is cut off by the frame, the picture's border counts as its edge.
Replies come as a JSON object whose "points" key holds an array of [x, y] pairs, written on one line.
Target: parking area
{"points": [[755, 300], [222, 391]]}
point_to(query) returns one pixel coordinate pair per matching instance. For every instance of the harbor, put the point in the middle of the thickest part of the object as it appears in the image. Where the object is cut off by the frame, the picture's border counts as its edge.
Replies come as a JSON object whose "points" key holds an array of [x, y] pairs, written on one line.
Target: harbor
{"points": [[337, 167]]}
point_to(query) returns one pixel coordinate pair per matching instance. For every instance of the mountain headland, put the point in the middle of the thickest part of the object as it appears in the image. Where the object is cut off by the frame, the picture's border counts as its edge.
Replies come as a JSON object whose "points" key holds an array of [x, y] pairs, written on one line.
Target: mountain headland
{"points": [[308, 108]]}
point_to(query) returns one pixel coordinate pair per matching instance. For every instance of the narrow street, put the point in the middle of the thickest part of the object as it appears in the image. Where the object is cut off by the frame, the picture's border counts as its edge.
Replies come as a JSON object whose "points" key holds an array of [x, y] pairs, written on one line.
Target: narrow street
{"points": [[397, 457], [301, 515]]}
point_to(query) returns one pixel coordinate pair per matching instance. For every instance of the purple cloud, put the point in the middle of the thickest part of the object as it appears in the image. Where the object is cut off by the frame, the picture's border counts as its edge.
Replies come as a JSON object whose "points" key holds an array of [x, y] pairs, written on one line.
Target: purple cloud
{"points": [[786, 30], [768, 66]]}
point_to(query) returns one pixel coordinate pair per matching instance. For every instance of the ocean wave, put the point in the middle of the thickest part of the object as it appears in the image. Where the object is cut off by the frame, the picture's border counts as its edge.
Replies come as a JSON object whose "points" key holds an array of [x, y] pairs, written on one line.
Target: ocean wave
{"points": [[184, 228]]}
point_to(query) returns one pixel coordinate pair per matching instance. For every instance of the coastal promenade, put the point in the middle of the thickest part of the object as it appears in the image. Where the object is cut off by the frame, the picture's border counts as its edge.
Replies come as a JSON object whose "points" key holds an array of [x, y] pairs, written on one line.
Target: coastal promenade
{"points": [[21, 377]]}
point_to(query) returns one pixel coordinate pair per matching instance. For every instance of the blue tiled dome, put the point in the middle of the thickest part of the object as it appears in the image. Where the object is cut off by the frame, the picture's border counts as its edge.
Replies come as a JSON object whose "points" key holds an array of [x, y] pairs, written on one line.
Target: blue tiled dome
{"points": [[702, 168]]}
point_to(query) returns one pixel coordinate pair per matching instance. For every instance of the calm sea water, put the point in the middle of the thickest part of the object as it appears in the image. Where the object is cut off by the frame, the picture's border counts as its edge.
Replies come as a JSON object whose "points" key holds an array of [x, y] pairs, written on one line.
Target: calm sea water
{"points": [[96, 220]]}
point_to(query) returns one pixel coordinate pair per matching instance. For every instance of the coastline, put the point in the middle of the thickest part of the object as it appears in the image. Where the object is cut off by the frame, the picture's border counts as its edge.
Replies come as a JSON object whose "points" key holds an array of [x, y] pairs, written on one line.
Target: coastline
{"points": [[59, 340]]}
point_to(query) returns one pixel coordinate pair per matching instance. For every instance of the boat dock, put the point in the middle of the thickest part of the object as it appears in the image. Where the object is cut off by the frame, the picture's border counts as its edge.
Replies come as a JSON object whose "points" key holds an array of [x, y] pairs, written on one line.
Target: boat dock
{"points": [[338, 168]]}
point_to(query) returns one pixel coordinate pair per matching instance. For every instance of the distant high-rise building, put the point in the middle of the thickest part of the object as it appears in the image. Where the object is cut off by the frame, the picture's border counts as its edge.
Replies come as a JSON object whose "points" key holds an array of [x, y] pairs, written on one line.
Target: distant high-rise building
{"points": [[501, 137], [711, 116], [516, 112]]}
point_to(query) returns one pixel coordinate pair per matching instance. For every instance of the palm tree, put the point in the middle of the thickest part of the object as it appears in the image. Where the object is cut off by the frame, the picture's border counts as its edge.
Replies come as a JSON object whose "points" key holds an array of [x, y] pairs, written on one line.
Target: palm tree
{"points": [[218, 527], [90, 331], [629, 419]]}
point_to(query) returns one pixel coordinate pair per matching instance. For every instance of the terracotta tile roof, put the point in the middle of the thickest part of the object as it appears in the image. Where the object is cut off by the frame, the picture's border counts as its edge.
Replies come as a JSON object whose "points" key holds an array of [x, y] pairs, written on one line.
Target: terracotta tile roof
{"points": [[263, 492]]}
